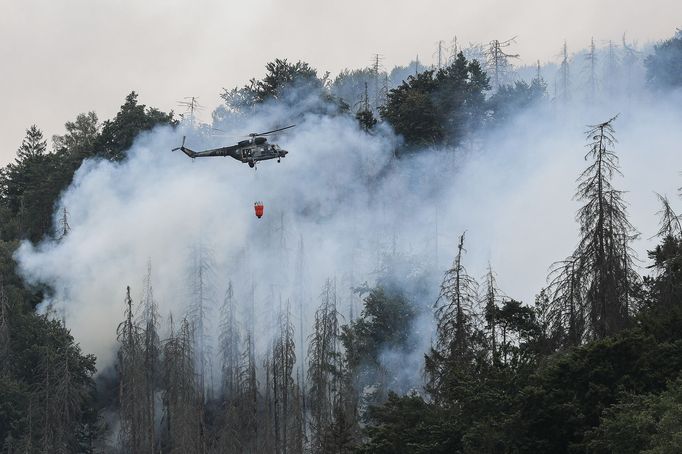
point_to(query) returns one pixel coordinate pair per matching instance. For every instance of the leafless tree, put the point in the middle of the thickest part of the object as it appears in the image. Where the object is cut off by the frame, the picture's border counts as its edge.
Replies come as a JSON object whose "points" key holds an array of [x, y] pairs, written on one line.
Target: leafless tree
{"points": [[4, 330], [151, 352], [283, 386], [323, 366], [669, 224], [200, 283], [131, 381], [599, 276], [455, 321], [183, 417], [498, 60], [229, 344], [491, 299]]}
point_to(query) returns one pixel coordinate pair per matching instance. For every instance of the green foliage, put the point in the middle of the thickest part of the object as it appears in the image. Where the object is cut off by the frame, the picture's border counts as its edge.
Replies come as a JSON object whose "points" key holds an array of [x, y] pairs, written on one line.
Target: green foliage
{"points": [[118, 134], [33, 144], [566, 396], [510, 99], [518, 334], [384, 324], [648, 423], [47, 388], [30, 187], [359, 86], [80, 138], [439, 106], [366, 119], [663, 315], [407, 424], [284, 82], [664, 66]]}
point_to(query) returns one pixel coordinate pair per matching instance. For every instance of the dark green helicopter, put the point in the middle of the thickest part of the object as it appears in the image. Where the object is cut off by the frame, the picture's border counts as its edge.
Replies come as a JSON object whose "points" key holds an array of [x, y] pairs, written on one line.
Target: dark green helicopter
{"points": [[250, 151]]}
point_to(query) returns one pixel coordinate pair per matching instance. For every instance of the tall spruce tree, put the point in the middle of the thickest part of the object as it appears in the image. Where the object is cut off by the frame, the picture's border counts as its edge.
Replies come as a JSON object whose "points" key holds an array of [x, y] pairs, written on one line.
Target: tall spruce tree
{"points": [[599, 277], [323, 367], [33, 145], [453, 352]]}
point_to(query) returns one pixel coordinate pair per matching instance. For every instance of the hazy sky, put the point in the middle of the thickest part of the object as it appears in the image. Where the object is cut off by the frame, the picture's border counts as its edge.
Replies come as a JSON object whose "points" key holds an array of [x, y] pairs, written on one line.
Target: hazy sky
{"points": [[63, 57]]}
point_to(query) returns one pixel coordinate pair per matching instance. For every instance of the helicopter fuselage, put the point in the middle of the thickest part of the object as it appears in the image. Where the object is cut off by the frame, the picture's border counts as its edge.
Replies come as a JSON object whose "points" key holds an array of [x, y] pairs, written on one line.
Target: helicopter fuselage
{"points": [[248, 151], [257, 149]]}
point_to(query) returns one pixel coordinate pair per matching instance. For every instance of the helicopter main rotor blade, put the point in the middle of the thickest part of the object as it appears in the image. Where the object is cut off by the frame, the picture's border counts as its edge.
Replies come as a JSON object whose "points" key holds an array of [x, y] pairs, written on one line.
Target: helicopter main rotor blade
{"points": [[270, 132]]}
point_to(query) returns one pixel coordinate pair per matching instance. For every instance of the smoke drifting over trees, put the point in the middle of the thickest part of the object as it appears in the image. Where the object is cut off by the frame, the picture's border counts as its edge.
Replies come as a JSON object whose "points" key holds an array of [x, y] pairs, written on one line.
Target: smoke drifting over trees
{"points": [[292, 333]]}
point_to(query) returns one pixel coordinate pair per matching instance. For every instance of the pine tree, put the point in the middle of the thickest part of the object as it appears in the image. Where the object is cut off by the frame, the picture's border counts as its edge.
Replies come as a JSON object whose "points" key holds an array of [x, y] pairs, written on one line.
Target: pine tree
{"points": [[323, 367], [455, 325], [151, 352], [131, 385], [4, 330], [229, 344], [669, 223], [283, 360], [33, 145], [183, 417], [490, 302], [498, 60], [201, 276], [248, 385], [567, 313], [599, 276]]}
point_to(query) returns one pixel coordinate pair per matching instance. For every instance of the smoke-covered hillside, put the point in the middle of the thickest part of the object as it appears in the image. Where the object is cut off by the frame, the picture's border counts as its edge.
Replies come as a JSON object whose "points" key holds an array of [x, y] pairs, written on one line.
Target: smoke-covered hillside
{"points": [[420, 238]]}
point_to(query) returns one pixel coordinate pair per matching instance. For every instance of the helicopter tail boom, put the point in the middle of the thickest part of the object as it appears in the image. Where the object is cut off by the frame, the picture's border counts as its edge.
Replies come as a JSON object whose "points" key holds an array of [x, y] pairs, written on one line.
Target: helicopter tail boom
{"points": [[191, 153]]}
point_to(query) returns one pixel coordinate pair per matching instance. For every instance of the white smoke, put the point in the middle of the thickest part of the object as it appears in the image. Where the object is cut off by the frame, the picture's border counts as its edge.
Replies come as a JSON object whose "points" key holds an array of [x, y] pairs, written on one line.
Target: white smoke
{"points": [[341, 192]]}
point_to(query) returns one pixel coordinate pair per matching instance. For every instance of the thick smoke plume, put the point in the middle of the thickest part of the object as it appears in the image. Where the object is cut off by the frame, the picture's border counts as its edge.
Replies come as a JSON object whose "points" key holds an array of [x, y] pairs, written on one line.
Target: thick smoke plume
{"points": [[339, 206]]}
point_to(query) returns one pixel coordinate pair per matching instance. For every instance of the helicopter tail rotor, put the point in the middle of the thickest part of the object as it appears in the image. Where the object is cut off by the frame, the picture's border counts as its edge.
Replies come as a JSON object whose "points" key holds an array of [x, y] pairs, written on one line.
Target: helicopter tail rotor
{"points": [[191, 153], [181, 146]]}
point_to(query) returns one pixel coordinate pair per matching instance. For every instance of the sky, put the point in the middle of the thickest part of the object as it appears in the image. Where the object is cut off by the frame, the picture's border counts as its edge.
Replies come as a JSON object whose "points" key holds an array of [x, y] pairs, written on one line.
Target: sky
{"points": [[62, 58]]}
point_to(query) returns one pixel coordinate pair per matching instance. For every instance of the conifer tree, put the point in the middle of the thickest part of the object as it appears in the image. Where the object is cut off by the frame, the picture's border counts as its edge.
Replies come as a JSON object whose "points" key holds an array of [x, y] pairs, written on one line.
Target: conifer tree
{"points": [[567, 313], [182, 398], [455, 325], [151, 352], [599, 276], [33, 145], [229, 345], [201, 276], [490, 302], [4, 330], [248, 386], [323, 366], [283, 360], [131, 385], [669, 221]]}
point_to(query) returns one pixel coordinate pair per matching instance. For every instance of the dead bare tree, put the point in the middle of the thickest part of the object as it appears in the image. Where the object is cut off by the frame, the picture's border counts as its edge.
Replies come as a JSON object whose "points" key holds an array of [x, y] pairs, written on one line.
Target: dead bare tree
{"points": [[567, 313], [323, 366], [229, 345], [4, 330], [248, 385], [131, 381], [669, 224], [200, 283], [600, 272], [455, 322], [151, 352], [183, 418], [491, 299], [592, 70], [565, 74], [498, 60]]}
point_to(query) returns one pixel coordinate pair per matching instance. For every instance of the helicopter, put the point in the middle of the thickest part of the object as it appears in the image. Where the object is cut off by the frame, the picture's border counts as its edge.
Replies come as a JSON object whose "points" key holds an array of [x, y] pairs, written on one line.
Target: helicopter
{"points": [[250, 151]]}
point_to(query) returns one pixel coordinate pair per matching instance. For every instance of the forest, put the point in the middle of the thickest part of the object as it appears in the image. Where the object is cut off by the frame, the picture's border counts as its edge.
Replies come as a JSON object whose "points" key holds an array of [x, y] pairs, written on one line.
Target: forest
{"points": [[262, 349]]}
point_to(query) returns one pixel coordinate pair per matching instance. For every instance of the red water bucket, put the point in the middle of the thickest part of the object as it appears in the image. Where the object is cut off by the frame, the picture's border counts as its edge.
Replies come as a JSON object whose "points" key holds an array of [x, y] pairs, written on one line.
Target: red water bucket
{"points": [[259, 209]]}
